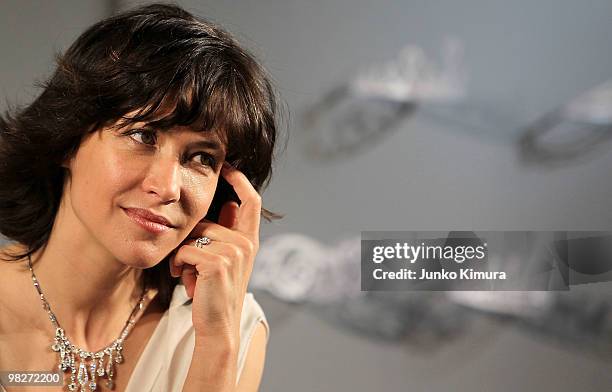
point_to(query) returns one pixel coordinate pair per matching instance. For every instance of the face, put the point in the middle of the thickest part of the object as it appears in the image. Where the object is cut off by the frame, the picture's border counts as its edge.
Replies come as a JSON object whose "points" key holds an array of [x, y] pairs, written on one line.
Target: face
{"points": [[116, 176]]}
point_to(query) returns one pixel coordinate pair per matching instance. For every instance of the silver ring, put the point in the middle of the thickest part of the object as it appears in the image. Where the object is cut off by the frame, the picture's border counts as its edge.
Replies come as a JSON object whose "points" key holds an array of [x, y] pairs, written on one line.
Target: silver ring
{"points": [[202, 242]]}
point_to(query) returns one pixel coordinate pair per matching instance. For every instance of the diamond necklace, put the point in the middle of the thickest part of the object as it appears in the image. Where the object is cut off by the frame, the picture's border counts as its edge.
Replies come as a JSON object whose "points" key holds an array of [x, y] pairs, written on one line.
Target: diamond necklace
{"points": [[91, 364]]}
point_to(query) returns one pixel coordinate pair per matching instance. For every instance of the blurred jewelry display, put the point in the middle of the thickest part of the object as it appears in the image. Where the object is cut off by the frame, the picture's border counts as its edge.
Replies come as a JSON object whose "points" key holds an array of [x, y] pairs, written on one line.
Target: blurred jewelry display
{"points": [[573, 130], [326, 279], [356, 113], [92, 364]]}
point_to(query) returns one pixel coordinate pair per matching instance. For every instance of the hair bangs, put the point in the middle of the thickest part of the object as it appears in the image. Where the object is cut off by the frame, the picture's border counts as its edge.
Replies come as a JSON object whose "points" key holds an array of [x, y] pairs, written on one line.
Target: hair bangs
{"points": [[224, 102]]}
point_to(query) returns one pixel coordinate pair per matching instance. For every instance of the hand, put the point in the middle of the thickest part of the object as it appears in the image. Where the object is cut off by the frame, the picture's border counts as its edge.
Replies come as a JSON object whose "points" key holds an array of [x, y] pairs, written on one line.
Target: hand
{"points": [[216, 276]]}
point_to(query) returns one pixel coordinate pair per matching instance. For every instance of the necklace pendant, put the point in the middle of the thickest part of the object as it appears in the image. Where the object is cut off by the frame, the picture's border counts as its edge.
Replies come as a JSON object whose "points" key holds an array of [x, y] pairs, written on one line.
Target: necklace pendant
{"points": [[73, 385], [110, 371], [93, 384], [92, 368], [101, 366], [64, 359], [82, 377], [109, 366]]}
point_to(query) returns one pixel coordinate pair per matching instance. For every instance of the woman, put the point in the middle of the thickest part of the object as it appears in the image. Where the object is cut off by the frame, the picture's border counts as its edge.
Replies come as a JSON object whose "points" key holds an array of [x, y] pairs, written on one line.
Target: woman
{"points": [[130, 191]]}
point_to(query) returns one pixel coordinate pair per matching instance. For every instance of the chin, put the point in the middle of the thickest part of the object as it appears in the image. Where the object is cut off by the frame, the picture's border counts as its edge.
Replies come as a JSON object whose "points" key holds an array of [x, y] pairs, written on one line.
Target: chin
{"points": [[142, 258], [142, 264]]}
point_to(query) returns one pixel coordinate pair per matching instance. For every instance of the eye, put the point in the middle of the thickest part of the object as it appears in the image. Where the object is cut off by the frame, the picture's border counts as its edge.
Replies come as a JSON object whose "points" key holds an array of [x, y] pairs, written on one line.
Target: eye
{"points": [[144, 136], [205, 159]]}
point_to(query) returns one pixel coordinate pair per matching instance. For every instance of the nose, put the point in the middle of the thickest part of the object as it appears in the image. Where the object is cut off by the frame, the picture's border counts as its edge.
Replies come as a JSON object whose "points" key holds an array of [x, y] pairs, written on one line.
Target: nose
{"points": [[163, 179]]}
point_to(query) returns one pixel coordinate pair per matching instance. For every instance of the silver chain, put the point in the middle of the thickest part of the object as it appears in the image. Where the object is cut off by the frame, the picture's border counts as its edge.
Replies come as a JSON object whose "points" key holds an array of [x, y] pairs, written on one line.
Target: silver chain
{"points": [[92, 364]]}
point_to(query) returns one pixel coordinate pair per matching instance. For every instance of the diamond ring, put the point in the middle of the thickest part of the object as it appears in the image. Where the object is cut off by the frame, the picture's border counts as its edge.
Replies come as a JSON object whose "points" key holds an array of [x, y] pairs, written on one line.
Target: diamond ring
{"points": [[202, 241]]}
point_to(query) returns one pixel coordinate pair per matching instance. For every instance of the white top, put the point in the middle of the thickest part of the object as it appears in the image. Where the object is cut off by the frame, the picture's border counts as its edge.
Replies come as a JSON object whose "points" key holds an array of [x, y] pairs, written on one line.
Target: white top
{"points": [[165, 360]]}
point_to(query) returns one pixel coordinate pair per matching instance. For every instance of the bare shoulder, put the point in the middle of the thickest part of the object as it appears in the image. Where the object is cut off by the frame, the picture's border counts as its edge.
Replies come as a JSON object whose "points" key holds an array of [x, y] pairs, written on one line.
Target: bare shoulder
{"points": [[252, 371]]}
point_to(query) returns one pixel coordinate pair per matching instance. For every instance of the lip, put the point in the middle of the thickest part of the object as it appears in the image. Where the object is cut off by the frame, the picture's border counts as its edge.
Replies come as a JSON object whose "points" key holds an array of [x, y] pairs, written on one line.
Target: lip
{"points": [[148, 220]]}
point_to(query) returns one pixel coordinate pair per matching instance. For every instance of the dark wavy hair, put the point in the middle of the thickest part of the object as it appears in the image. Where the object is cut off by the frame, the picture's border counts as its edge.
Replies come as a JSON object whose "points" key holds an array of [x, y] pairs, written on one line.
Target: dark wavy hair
{"points": [[147, 60]]}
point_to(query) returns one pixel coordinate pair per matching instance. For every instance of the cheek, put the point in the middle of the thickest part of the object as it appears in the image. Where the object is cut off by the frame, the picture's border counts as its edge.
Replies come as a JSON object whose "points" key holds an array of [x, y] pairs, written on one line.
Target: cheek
{"points": [[201, 191], [121, 174], [98, 178], [103, 178]]}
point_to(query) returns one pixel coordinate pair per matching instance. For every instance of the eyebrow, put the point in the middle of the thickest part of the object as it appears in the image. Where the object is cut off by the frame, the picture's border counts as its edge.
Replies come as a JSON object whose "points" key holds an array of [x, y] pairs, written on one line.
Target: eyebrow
{"points": [[205, 143], [210, 144]]}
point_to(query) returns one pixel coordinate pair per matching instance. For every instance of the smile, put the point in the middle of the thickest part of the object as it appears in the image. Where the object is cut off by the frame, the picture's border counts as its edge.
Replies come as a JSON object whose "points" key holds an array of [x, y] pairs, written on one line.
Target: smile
{"points": [[146, 224]]}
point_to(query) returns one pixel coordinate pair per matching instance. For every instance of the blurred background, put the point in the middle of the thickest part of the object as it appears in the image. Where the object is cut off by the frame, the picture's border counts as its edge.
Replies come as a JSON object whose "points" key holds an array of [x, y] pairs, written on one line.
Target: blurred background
{"points": [[409, 115]]}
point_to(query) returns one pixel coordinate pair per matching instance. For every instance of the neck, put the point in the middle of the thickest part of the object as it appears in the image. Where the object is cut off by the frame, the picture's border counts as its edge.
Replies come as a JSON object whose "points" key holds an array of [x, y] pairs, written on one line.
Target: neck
{"points": [[91, 293]]}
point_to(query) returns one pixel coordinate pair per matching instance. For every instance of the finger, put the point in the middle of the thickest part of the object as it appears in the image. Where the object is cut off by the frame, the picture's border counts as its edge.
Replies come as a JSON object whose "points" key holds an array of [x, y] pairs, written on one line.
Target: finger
{"points": [[217, 233], [189, 278], [229, 214], [225, 252], [250, 206], [191, 256], [175, 271]]}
